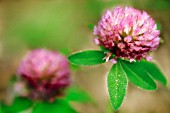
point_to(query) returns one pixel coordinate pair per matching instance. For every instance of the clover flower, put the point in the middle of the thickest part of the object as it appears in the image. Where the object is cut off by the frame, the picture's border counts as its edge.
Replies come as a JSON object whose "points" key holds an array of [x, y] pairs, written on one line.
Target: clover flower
{"points": [[128, 33], [125, 35], [46, 73]]}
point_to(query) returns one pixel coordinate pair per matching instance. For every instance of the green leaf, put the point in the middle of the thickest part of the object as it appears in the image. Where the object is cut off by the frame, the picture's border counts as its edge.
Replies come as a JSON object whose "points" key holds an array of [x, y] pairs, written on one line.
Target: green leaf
{"points": [[78, 95], [87, 58], [137, 75], [153, 71], [117, 84], [2, 107], [19, 104], [59, 106]]}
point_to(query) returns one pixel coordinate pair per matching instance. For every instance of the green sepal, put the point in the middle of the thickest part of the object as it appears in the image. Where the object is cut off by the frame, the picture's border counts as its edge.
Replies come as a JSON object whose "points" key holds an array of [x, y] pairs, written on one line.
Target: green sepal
{"points": [[90, 26], [104, 49]]}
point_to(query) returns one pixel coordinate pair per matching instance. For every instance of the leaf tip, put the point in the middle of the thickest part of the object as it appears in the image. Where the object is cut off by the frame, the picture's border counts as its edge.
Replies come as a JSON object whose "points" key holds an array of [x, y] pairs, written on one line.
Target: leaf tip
{"points": [[153, 87], [71, 60], [116, 107], [165, 83]]}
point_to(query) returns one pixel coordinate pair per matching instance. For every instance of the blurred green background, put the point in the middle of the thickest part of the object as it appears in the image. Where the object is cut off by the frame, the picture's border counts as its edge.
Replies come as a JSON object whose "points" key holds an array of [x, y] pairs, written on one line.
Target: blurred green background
{"points": [[66, 26]]}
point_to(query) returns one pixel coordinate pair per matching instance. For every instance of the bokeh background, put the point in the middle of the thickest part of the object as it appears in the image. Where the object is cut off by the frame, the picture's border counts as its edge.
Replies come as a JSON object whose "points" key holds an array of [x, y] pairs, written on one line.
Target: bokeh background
{"points": [[66, 26]]}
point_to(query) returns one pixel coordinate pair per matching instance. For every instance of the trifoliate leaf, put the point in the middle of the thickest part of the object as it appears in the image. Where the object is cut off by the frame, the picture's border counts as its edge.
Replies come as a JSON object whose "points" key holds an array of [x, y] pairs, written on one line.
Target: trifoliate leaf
{"points": [[153, 71], [137, 75], [78, 95], [117, 84], [59, 106], [19, 104], [87, 58]]}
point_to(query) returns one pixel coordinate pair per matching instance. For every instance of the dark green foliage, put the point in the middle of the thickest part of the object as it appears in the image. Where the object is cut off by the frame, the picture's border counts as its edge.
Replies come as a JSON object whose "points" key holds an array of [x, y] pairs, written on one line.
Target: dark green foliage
{"points": [[19, 104], [58, 106], [78, 95]]}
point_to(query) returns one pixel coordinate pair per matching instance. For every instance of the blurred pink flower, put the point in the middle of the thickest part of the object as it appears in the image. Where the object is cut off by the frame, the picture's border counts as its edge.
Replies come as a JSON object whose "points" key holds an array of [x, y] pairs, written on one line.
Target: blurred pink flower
{"points": [[46, 73], [128, 33]]}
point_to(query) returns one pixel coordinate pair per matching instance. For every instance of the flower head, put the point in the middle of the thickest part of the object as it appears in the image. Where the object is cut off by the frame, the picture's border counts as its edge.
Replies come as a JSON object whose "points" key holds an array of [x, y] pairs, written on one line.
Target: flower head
{"points": [[127, 33], [46, 72]]}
